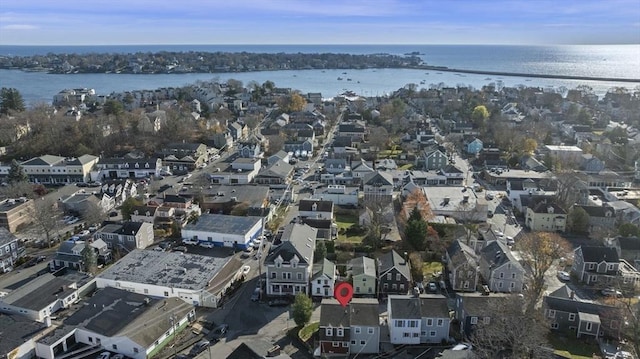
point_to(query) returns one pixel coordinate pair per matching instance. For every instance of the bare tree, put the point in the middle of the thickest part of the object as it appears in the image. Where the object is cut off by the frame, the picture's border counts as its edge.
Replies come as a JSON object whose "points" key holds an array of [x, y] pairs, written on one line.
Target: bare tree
{"points": [[378, 140], [18, 189], [45, 215], [507, 332], [378, 218], [93, 213], [569, 187], [539, 252]]}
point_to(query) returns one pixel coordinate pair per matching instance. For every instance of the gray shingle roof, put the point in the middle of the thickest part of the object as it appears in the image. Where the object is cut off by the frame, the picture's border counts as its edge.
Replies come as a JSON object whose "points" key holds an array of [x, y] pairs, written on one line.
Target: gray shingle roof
{"points": [[598, 254], [394, 260], [362, 265], [220, 223], [424, 306], [297, 239]]}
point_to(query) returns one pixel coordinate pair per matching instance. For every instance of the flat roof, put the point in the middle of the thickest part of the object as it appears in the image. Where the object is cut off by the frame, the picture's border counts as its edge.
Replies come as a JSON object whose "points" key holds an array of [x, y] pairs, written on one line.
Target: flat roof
{"points": [[172, 269], [222, 223], [16, 330], [40, 292], [437, 197]]}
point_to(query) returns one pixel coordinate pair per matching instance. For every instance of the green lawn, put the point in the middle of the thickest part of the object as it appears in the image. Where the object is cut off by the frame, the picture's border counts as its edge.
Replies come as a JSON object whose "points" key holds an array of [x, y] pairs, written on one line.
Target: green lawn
{"points": [[573, 348], [345, 221], [406, 167], [429, 268], [306, 332]]}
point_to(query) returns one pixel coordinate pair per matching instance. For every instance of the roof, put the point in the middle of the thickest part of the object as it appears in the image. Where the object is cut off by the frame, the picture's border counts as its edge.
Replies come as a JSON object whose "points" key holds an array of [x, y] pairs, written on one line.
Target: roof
{"points": [[477, 304], [629, 243], [496, 253], [598, 254], [391, 260], [597, 211], [327, 268], [254, 195], [543, 207], [279, 169], [114, 312], [359, 312], [226, 224], [185, 271], [15, 330], [569, 305], [6, 237], [255, 349], [461, 253], [321, 206], [126, 228], [40, 292], [297, 240], [424, 306], [362, 265], [378, 179]]}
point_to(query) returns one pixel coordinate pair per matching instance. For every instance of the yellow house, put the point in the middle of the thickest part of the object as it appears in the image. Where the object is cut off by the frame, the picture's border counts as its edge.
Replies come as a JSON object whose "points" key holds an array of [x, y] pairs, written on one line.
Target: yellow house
{"points": [[546, 216]]}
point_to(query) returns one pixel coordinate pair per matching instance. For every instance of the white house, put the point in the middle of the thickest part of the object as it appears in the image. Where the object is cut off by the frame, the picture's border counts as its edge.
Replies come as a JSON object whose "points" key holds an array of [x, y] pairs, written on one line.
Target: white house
{"points": [[222, 230], [324, 279], [416, 320], [338, 194]]}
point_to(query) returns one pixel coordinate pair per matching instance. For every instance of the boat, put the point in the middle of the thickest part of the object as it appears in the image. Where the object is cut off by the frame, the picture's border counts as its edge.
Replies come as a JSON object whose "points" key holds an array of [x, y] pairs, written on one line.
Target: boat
{"points": [[339, 78], [488, 79], [344, 73], [423, 82], [439, 73], [348, 79]]}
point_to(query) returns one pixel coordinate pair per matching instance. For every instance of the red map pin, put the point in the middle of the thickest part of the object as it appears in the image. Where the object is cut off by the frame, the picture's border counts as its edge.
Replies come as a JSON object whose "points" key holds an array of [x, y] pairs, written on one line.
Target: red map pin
{"points": [[343, 293]]}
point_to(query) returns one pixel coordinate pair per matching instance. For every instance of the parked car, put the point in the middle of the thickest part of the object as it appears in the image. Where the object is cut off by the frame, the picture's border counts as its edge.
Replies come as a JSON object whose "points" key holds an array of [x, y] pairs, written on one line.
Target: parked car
{"points": [[113, 214], [72, 220], [207, 244], [189, 241], [279, 302], [165, 245], [611, 292], [118, 356], [220, 331], [462, 346], [104, 355], [199, 347], [432, 287], [246, 270], [182, 249], [510, 241], [255, 296], [564, 276]]}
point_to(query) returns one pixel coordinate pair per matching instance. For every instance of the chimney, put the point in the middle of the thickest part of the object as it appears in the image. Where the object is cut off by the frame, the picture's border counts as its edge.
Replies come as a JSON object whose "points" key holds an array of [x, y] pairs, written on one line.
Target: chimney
{"points": [[572, 295], [406, 258], [273, 352]]}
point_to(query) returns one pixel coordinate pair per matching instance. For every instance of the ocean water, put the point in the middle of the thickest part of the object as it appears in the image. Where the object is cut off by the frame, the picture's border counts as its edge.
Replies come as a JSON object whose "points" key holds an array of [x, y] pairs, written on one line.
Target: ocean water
{"points": [[607, 61]]}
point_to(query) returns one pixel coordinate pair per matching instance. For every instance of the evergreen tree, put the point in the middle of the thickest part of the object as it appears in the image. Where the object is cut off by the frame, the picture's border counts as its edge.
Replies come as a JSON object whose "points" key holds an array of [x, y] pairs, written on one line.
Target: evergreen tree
{"points": [[320, 252], [11, 100], [90, 258], [416, 230], [16, 173]]}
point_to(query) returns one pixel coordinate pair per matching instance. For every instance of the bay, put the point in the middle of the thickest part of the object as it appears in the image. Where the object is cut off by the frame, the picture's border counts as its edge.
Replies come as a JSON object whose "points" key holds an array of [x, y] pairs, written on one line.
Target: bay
{"points": [[615, 61]]}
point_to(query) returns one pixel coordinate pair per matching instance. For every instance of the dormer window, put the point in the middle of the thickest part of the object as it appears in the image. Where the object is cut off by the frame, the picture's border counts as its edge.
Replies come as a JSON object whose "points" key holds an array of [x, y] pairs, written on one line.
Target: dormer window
{"points": [[314, 207], [294, 261], [278, 262]]}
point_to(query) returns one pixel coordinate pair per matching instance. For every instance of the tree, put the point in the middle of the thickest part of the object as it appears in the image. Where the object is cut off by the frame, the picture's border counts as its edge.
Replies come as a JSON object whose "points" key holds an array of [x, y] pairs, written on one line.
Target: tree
{"points": [[378, 216], [11, 101], [293, 103], [127, 207], [16, 173], [302, 309], [89, 258], [113, 107], [415, 260], [416, 230], [539, 252], [578, 220], [45, 215], [479, 115], [378, 139], [18, 189], [320, 253], [240, 209], [529, 146], [92, 213], [629, 230], [510, 333]]}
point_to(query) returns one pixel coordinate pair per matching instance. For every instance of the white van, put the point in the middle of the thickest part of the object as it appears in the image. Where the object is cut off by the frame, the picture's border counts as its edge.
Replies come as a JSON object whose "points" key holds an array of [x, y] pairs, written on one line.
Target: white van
{"points": [[189, 241]]}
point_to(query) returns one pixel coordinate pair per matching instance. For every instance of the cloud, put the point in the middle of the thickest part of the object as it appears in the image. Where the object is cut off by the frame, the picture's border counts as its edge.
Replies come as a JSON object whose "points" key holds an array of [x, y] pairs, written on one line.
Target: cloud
{"points": [[19, 27]]}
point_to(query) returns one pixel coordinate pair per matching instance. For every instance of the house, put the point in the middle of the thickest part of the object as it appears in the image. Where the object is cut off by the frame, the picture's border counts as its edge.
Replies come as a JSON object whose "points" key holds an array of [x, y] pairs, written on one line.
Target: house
{"points": [[569, 314], [462, 266], [499, 269], [69, 254], [601, 266], [454, 176], [324, 278], [277, 173], [113, 168], [9, 253], [299, 146], [340, 195], [432, 159], [15, 212], [280, 155], [250, 149], [315, 208], [195, 279], [86, 203], [335, 165], [127, 235], [289, 265], [144, 213], [628, 248], [394, 273], [119, 321], [183, 157], [352, 130], [326, 229], [378, 186], [418, 319], [220, 230], [546, 217], [39, 298], [474, 147], [241, 171], [363, 275], [221, 199], [473, 308], [18, 336], [360, 169], [257, 348], [591, 163], [119, 189], [238, 131], [348, 330], [600, 217]]}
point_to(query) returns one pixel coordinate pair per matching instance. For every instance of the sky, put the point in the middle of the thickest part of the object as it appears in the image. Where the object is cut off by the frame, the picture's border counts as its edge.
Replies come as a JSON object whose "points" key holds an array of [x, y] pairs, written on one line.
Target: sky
{"points": [[118, 22]]}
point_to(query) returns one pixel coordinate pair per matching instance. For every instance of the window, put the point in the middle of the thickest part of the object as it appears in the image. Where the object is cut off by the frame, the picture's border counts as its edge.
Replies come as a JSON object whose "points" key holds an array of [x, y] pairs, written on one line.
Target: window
{"points": [[399, 324], [339, 332], [401, 286], [329, 332], [397, 276], [335, 344], [415, 335], [501, 275], [474, 320], [394, 286], [465, 285], [513, 276], [486, 320], [406, 335], [552, 313], [572, 317], [273, 275], [353, 342], [429, 322], [554, 325], [357, 330], [432, 333], [345, 344], [589, 325], [413, 324], [146, 291], [370, 330], [90, 339], [166, 294], [388, 276], [114, 346], [362, 342], [440, 322]]}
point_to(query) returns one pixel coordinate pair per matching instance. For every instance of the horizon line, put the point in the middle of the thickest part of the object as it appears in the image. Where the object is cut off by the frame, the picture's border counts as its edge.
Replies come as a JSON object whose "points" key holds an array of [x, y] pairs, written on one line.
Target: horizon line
{"points": [[333, 44]]}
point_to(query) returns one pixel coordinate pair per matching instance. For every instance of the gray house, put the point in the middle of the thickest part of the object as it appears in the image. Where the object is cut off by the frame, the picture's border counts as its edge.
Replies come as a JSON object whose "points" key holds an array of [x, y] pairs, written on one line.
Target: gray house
{"points": [[462, 266], [600, 217], [349, 330], [416, 320], [126, 236], [595, 264], [394, 273], [290, 264], [499, 268], [473, 308], [433, 159], [568, 313], [363, 275]]}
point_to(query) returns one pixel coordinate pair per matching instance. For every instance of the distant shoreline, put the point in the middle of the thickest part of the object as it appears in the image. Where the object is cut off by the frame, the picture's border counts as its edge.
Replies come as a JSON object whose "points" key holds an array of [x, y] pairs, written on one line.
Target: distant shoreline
{"points": [[518, 74]]}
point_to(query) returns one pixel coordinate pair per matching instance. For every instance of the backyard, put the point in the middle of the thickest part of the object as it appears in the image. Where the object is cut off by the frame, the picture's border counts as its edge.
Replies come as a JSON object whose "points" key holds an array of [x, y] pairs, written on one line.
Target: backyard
{"points": [[574, 348], [345, 234]]}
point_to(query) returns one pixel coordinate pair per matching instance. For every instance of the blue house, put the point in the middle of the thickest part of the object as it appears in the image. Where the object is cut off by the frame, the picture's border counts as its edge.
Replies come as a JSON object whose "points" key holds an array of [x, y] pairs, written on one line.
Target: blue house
{"points": [[474, 147]]}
